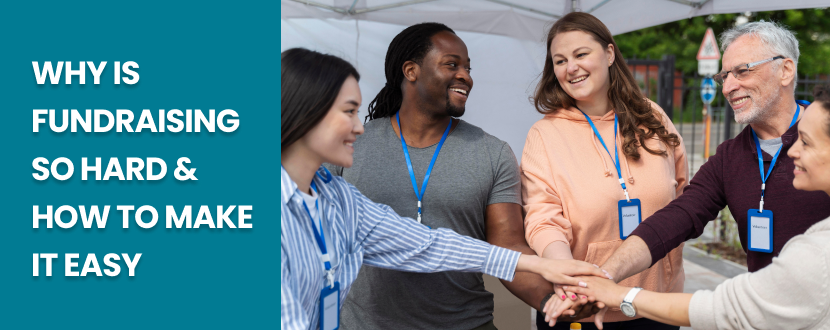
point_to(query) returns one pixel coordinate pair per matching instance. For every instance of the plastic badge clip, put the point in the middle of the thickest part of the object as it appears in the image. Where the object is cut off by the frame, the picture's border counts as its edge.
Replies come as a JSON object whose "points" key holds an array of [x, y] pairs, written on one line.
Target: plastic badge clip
{"points": [[330, 277]]}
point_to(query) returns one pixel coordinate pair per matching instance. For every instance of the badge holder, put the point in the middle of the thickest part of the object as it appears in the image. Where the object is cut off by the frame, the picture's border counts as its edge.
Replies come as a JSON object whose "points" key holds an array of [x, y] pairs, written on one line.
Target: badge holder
{"points": [[630, 216], [330, 307], [759, 230]]}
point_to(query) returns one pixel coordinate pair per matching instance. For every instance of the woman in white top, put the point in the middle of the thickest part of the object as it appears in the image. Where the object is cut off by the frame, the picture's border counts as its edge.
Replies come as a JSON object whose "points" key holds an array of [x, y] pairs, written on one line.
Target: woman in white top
{"points": [[329, 229], [791, 293]]}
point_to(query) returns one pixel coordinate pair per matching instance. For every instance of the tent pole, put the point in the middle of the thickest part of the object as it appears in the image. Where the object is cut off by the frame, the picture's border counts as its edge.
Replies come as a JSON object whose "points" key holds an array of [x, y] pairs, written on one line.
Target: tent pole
{"points": [[317, 4], [352, 7], [524, 8], [695, 5], [393, 5], [597, 6]]}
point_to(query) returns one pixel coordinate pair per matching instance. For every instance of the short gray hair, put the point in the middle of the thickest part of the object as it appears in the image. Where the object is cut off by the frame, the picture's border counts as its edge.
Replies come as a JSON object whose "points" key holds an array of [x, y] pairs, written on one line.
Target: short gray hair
{"points": [[778, 39]]}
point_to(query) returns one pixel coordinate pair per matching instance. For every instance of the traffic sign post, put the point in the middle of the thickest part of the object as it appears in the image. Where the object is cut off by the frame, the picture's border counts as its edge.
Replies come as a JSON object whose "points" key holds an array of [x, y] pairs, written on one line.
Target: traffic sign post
{"points": [[707, 93], [708, 90], [708, 57]]}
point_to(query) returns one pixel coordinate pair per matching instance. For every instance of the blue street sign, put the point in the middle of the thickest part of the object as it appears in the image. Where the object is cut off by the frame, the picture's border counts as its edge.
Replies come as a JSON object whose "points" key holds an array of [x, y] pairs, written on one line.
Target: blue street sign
{"points": [[708, 90]]}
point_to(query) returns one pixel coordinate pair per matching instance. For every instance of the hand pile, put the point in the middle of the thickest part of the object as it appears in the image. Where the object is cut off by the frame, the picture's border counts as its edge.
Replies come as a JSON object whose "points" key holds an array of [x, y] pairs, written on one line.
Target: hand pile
{"points": [[571, 303]]}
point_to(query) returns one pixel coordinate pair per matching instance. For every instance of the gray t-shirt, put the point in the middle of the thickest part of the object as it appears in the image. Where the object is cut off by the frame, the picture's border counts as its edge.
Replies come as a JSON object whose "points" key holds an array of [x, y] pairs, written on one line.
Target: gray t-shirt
{"points": [[473, 170], [771, 146]]}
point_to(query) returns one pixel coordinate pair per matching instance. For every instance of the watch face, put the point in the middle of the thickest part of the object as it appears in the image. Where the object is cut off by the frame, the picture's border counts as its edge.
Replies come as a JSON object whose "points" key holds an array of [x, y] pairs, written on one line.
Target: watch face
{"points": [[628, 310]]}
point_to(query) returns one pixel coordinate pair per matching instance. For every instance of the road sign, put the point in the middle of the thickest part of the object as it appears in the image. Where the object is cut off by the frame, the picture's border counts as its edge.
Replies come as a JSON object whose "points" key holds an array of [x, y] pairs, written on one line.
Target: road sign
{"points": [[709, 47], [708, 90], [708, 67]]}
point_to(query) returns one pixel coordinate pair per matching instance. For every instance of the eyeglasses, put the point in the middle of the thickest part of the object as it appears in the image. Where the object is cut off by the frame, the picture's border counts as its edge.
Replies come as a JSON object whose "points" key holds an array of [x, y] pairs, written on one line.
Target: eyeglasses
{"points": [[741, 71]]}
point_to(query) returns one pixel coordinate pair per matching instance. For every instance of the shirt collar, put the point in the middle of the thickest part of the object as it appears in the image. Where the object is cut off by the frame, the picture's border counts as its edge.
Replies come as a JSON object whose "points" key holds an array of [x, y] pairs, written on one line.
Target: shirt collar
{"points": [[289, 187]]}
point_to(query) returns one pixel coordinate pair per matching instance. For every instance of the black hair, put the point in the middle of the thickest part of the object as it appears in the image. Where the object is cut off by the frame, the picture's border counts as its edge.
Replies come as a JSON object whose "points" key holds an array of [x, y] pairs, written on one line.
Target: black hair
{"points": [[412, 44], [310, 84], [821, 93]]}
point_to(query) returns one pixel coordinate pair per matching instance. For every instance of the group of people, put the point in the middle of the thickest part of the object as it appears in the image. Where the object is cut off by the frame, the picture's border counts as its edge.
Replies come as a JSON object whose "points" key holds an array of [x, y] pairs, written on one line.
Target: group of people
{"points": [[590, 227]]}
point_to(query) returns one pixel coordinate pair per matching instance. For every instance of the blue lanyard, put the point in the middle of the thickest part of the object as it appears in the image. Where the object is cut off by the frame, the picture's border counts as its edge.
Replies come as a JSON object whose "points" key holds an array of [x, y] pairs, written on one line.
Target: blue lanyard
{"points": [[320, 237], [774, 158], [616, 151], [420, 195]]}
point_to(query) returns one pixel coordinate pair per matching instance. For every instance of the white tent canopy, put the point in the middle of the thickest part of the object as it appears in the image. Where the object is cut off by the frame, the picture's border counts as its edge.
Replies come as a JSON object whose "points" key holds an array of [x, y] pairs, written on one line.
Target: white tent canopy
{"points": [[505, 40], [527, 19]]}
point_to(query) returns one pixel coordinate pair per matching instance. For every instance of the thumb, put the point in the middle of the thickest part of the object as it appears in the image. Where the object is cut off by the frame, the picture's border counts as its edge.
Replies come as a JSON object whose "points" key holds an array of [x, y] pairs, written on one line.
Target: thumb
{"points": [[599, 317]]}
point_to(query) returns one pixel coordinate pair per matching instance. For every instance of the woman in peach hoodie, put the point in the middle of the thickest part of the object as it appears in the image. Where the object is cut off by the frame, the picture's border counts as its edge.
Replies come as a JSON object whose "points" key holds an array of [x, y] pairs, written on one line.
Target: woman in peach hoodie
{"points": [[602, 147]]}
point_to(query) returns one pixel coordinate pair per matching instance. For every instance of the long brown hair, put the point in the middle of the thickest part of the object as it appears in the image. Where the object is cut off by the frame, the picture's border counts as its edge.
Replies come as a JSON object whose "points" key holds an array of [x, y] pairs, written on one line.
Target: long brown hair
{"points": [[631, 106]]}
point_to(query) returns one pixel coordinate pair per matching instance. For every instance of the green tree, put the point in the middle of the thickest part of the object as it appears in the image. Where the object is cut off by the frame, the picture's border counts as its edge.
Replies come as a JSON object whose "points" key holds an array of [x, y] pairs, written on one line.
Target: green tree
{"points": [[682, 38]]}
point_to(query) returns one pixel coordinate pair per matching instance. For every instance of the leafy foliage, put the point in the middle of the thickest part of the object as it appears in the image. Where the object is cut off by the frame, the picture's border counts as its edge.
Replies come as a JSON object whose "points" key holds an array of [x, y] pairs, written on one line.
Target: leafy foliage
{"points": [[682, 38]]}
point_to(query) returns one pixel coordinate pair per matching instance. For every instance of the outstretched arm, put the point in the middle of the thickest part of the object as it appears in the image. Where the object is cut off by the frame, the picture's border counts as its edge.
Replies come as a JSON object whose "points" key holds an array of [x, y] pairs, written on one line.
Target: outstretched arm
{"points": [[669, 308], [505, 228], [390, 241], [631, 257]]}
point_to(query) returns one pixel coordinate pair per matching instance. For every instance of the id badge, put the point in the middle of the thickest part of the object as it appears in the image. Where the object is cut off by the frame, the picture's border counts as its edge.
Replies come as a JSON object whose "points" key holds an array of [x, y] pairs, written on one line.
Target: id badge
{"points": [[759, 230], [630, 216], [330, 307]]}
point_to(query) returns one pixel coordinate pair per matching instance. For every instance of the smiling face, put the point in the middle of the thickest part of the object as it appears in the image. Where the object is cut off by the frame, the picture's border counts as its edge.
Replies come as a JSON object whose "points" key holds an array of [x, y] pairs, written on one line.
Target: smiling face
{"points": [[754, 96], [811, 152], [444, 82], [581, 65], [332, 139]]}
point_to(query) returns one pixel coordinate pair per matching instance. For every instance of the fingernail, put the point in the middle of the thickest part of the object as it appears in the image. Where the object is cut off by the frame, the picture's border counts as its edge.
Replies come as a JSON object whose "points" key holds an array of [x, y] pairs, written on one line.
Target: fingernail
{"points": [[573, 297], [583, 284], [584, 297], [565, 288], [563, 297], [595, 265]]}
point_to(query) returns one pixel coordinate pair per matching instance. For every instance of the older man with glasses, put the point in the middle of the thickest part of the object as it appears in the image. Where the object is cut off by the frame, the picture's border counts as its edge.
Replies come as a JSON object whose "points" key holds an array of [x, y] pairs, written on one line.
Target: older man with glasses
{"points": [[751, 174]]}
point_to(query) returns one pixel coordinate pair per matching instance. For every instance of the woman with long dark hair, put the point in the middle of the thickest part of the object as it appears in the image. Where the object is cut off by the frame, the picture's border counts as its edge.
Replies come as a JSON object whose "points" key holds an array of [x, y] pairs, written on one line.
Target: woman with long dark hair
{"points": [[603, 158], [329, 229]]}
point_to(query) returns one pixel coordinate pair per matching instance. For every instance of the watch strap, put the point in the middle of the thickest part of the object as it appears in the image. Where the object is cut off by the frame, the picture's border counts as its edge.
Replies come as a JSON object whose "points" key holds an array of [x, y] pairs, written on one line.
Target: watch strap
{"points": [[545, 301], [629, 298]]}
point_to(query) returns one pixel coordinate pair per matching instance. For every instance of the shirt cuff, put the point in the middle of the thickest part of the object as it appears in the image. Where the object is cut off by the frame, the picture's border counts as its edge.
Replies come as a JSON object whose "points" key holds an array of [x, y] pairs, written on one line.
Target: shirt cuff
{"points": [[501, 263], [702, 310]]}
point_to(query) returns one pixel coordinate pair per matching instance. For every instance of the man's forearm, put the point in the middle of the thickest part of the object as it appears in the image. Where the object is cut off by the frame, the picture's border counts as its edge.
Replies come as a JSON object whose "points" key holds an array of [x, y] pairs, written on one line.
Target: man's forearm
{"points": [[631, 257], [529, 287]]}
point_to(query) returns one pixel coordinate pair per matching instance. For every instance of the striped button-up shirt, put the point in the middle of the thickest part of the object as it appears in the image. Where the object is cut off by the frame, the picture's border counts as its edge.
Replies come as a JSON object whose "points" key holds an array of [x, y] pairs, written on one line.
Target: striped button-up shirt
{"points": [[358, 230]]}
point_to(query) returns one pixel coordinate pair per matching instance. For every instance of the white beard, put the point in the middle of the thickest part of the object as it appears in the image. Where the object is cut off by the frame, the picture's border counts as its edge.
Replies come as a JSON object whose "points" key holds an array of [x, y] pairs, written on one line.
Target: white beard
{"points": [[757, 112]]}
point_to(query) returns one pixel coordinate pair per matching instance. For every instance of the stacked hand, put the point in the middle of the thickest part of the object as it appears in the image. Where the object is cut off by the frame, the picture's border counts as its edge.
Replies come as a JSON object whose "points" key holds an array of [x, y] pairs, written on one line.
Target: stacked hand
{"points": [[577, 302], [559, 271]]}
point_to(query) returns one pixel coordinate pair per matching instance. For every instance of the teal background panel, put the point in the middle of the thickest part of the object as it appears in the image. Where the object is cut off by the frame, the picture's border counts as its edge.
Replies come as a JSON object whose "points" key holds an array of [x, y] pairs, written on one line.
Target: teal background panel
{"points": [[191, 55]]}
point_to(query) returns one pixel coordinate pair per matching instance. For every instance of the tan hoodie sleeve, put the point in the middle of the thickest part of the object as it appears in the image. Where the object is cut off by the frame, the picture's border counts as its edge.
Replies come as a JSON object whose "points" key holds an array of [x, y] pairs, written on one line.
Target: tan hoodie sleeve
{"points": [[544, 220]]}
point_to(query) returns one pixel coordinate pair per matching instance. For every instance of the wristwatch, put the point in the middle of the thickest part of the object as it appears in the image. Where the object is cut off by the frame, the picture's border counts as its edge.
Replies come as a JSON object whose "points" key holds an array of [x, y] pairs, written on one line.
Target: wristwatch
{"points": [[627, 306], [545, 301]]}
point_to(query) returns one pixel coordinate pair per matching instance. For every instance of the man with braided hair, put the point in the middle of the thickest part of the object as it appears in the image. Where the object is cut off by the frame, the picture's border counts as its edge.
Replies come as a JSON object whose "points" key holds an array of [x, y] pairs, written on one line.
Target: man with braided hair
{"points": [[472, 179]]}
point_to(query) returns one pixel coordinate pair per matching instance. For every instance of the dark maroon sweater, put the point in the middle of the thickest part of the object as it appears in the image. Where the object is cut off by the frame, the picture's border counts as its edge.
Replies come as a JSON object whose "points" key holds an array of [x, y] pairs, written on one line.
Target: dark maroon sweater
{"points": [[731, 178]]}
